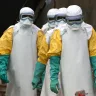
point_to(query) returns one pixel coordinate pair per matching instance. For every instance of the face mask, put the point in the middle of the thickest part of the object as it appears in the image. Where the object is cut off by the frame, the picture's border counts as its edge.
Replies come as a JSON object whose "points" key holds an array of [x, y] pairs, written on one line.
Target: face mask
{"points": [[75, 27], [60, 22], [26, 22]]}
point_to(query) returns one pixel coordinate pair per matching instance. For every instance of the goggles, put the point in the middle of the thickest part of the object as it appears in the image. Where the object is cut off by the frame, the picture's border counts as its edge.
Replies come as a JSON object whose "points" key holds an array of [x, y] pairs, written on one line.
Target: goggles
{"points": [[26, 16], [74, 19], [60, 17], [51, 19]]}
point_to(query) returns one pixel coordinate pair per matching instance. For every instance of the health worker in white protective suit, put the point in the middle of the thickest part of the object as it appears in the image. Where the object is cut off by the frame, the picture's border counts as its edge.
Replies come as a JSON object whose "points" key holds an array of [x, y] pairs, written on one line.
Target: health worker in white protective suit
{"points": [[73, 49], [43, 59], [18, 54]]}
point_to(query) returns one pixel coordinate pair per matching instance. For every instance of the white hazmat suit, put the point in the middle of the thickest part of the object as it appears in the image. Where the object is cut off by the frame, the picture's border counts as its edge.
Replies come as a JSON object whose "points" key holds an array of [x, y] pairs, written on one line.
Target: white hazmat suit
{"points": [[20, 42]]}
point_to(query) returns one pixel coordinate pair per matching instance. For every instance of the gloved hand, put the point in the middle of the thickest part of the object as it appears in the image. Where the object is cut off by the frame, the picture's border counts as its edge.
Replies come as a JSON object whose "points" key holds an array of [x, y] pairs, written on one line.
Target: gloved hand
{"points": [[54, 71], [54, 86], [4, 78], [39, 69], [3, 68], [93, 63]]}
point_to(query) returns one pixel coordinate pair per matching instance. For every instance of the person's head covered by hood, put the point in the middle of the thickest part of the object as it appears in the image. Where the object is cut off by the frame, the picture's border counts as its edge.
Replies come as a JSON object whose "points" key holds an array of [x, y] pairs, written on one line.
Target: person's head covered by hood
{"points": [[60, 17], [74, 17], [26, 16], [51, 15]]}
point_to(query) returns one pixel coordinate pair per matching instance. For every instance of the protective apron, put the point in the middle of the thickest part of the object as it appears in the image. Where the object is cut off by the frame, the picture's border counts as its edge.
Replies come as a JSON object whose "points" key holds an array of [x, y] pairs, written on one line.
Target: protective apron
{"points": [[75, 64], [22, 61]]}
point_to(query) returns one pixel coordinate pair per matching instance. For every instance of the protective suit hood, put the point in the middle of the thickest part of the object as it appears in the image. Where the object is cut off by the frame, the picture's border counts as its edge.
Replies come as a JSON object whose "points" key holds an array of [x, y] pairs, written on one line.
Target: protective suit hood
{"points": [[26, 16], [74, 17]]}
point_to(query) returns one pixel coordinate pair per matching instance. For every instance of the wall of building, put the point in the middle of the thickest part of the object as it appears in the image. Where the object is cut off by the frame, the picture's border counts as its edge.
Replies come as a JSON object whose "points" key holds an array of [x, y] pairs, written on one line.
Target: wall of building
{"points": [[88, 7], [42, 15]]}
